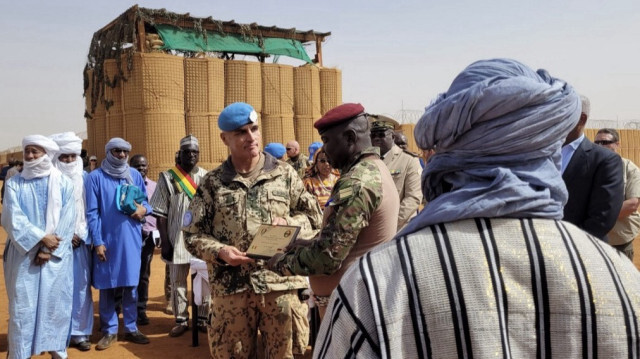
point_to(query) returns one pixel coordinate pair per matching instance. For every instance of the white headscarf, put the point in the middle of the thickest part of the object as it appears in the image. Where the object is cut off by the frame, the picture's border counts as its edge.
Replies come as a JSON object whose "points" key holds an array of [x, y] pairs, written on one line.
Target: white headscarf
{"points": [[42, 167], [69, 143]]}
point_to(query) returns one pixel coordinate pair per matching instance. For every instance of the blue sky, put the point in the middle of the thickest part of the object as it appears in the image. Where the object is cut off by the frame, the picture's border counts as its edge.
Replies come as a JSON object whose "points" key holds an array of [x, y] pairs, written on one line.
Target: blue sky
{"points": [[393, 54]]}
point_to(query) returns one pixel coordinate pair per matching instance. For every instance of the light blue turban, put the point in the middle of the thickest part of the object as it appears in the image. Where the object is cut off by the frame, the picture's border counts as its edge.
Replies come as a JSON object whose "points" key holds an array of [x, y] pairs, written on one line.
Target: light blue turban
{"points": [[497, 133], [113, 166]]}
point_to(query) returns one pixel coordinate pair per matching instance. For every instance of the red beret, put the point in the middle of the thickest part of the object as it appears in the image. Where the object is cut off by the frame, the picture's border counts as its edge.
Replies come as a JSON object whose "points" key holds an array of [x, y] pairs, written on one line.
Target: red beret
{"points": [[338, 115]]}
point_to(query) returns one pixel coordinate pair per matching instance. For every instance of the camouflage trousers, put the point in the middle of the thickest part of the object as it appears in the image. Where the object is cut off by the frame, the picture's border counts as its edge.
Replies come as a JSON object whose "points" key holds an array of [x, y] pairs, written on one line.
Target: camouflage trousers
{"points": [[235, 320]]}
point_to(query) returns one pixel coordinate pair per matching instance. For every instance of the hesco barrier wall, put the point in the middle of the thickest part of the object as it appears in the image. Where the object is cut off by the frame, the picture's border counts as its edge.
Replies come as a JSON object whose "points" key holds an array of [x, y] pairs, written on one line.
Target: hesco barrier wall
{"points": [[166, 97]]}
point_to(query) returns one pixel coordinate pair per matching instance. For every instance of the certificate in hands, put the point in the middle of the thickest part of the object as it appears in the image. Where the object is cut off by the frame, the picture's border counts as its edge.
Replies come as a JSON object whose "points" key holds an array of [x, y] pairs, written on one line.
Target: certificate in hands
{"points": [[270, 240]]}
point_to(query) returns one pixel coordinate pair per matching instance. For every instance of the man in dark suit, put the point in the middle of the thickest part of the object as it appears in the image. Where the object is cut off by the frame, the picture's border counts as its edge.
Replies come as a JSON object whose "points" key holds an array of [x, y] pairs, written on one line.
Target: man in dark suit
{"points": [[594, 179]]}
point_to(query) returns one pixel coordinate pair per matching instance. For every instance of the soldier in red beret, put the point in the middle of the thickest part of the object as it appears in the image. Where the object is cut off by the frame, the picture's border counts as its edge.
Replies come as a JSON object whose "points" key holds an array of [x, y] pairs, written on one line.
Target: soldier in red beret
{"points": [[361, 213]]}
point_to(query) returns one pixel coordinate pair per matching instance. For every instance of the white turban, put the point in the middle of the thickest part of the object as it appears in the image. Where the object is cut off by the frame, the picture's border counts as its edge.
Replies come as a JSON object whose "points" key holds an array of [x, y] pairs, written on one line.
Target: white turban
{"points": [[41, 141], [42, 167], [68, 143]]}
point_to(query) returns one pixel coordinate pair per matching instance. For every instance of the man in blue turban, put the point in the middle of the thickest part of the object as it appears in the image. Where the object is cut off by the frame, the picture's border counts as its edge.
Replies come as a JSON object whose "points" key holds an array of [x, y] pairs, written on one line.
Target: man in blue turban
{"points": [[116, 240], [488, 269]]}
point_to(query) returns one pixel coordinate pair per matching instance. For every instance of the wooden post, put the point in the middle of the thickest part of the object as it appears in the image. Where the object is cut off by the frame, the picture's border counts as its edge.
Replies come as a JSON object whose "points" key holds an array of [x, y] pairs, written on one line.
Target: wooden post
{"points": [[318, 59], [141, 35]]}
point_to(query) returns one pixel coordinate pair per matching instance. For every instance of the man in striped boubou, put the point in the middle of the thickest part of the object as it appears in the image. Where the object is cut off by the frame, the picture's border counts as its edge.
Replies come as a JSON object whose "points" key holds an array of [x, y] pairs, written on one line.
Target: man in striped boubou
{"points": [[488, 269]]}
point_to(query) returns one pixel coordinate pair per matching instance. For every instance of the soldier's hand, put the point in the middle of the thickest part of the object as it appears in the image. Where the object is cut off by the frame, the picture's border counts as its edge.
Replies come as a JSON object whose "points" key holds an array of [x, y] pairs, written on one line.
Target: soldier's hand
{"points": [[42, 258], [101, 252], [271, 264], [76, 241], [298, 243], [233, 256], [51, 241], [279, 221], [140, 212]]}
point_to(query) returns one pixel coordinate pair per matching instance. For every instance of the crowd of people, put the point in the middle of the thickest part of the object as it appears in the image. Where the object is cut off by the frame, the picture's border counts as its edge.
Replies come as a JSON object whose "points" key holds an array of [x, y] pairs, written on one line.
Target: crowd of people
{"points": [[511, 235]]}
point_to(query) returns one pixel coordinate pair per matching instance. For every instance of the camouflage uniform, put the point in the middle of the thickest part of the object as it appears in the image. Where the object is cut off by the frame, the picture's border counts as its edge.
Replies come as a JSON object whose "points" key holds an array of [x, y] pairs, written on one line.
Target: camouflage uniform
{"points": [[357, 200], [227, 210], [300, 165]]}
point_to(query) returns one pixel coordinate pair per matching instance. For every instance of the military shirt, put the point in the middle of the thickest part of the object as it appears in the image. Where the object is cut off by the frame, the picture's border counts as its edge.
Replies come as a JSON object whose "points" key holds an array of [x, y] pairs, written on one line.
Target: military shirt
{"points": [[626, 229], [300, 165], [406, 171], [228, 209], [356, 196]]}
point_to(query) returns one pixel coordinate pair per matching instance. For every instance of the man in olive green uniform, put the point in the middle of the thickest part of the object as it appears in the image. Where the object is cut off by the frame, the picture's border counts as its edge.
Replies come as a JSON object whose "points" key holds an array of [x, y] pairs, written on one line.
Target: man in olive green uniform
{"points": [[297, 160], [249, 189], [361, 213], [404, 167]]}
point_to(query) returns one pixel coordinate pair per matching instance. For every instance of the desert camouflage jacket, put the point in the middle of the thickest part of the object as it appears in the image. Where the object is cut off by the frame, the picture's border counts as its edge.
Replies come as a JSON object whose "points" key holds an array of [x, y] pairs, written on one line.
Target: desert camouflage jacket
{"points": [[355, 196], [228, 209], [300, 165]]}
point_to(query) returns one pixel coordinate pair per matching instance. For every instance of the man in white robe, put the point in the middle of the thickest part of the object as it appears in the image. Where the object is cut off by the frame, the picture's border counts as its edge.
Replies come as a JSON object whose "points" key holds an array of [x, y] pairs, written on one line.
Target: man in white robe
{"points": [[39, 217], [69, 162]]}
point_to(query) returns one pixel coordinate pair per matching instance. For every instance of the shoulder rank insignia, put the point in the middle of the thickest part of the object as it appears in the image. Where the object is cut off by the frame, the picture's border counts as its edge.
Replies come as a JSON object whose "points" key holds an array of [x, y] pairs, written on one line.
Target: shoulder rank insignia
{"points": [[345, 193]]}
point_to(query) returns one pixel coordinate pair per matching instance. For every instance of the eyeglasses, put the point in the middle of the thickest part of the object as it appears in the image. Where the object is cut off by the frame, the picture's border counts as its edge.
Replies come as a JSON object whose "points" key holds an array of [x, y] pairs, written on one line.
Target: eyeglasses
{"points": [[93, 160], [604, 142], [120, 150]]}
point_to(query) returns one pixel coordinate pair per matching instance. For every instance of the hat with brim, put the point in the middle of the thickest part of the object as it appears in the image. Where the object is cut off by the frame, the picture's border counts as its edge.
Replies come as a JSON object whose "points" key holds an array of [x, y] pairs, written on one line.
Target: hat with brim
{"points": [[383, 123]]}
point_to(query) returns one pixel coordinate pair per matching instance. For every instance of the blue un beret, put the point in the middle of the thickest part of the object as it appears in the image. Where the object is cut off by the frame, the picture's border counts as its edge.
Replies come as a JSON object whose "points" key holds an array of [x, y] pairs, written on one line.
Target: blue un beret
{"points": [[236, 115], [313, 147], [275, 149]]}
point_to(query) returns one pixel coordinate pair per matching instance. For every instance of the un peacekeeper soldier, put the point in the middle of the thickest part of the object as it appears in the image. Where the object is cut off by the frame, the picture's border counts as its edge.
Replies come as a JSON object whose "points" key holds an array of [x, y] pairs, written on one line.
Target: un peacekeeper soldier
{"points": [[297, 160], [404, 167], [249, 189], [361, 213]]}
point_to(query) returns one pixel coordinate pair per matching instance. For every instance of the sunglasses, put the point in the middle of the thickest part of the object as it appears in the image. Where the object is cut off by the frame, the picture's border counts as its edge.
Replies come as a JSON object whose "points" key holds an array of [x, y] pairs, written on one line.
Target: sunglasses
{"points": [[119, 150], [604, 142], [93, 160], [289, 148]]}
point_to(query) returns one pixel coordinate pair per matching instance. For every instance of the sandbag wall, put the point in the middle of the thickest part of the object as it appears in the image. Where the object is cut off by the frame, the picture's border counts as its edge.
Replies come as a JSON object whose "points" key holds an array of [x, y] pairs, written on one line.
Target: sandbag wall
{"points": [[166, 97], [204, 99]]}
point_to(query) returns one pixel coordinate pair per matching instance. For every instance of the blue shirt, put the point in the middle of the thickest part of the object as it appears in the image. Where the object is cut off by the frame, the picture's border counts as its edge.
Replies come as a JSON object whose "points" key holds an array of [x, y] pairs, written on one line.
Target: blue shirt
{"points": [[568, 151]]}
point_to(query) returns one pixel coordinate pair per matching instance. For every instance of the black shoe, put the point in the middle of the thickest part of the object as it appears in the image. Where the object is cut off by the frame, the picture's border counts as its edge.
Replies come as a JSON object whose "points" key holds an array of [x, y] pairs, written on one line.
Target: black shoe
{"points": [[83, 346], [178, 330], [106, 341], [142, 318], [136, 337]]}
